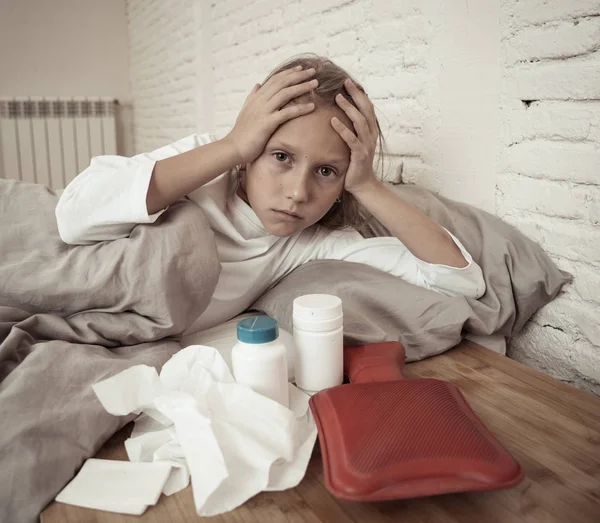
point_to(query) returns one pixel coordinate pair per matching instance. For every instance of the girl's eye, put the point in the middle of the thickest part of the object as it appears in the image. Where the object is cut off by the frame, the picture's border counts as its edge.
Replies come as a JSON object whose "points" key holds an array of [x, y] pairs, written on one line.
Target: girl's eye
{"points": [[326, 171], [280, 157]]}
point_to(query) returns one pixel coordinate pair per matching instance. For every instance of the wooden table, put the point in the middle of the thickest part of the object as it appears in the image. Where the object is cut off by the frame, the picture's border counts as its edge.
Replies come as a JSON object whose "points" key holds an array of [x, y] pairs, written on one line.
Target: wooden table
{"points": [[551, 428]]}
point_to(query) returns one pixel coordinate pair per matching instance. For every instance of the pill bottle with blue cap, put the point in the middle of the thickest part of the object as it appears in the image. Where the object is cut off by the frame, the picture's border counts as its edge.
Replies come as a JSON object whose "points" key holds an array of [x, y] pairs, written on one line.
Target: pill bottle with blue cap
{"points": [[259, 358]]}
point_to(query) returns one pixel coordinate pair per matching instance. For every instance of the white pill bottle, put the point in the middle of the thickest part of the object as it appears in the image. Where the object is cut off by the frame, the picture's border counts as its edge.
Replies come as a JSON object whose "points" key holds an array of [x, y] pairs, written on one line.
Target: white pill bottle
{"points": [[319, 339], [259, 358]]}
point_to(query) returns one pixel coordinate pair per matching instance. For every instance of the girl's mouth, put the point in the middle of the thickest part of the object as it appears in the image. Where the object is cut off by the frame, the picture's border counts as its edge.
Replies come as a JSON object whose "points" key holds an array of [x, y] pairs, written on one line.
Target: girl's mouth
{"points": [[287, 216]]}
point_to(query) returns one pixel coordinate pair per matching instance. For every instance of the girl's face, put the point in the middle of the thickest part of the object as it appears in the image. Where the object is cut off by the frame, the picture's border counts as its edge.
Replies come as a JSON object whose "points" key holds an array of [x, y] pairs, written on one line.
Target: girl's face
{"points": [[300, 173]]}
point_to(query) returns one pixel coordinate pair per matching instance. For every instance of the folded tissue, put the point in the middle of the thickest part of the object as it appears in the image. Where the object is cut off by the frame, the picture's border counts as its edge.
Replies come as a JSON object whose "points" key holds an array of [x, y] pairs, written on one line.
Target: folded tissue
{"points": [[233, 442], [116, 486]]}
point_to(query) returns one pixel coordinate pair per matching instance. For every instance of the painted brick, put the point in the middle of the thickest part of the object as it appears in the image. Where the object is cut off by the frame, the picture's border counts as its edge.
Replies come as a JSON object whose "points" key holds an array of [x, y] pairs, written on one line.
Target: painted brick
{"points": [[292, 24], [404, 144], [352, 64], [562, 39], [396, 57], [557, 80], [576, 162], [312, 7], [342, 43], [544, 348], [532, 12], [243, 84], [226, 53], [301, 31], [352, 15], [162, 71], [416, 55], [569, 239], [594, 210], [271, 21], [332, 28], [416, 171], [560, 199], [586, 280], [564, 120], [591, 204], [225, 121], [245, 14], [576, 318], [592, 387], [397, 86], [259, 41], [586, 359], [556, 354], [552, 198], [379, 35], [232, 101], [235, 69], [222, 9], [389, 61], [401, 114], [385, 10], [222, 41]]}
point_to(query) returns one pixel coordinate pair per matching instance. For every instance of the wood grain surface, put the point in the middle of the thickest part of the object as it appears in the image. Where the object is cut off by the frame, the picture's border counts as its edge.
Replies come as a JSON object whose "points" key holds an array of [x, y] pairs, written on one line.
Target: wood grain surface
{"points": [[551, 428]]}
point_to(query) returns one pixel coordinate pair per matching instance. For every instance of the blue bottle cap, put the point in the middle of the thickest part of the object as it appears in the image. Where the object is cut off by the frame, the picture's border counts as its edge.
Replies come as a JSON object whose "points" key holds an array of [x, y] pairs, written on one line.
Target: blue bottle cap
{"points": [[257, 329]]}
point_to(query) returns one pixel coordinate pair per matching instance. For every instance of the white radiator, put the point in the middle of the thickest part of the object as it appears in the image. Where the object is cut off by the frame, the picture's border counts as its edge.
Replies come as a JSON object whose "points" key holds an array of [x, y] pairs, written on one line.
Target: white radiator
{"points": [[50, 141]]}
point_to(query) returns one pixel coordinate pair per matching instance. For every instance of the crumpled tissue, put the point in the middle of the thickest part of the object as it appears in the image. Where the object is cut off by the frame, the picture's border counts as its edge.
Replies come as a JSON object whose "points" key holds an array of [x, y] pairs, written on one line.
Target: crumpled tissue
{"points": [[232, 441]]}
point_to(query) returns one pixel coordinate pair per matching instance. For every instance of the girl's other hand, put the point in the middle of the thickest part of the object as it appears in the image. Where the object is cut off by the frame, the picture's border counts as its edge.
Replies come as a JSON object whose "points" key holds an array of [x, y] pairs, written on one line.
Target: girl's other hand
{"points": [[362, 142], [264, 110]]}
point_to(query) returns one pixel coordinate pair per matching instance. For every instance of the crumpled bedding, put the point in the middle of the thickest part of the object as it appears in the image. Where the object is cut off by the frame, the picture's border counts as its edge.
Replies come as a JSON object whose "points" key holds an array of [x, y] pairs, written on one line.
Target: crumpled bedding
{"points": [[73, 315]]}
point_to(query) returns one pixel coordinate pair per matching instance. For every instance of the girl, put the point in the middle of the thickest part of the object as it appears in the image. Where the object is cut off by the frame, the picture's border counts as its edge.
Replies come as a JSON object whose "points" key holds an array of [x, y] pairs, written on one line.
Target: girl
{"points": [[282, 188]]}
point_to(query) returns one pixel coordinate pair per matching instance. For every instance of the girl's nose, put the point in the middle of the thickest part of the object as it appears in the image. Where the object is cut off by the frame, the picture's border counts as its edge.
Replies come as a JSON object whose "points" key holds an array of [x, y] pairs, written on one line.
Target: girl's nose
{"points": [[298, 189]]}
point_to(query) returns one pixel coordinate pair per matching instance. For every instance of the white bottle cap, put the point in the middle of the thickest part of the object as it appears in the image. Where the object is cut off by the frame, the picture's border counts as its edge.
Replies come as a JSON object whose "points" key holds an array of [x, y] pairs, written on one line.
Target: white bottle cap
{"points": [[315, 307]]}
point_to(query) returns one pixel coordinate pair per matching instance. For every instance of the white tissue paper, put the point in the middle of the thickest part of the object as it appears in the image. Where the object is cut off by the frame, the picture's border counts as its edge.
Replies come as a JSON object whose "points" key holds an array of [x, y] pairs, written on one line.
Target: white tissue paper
{"points": [[116, 486], [233, 442]]}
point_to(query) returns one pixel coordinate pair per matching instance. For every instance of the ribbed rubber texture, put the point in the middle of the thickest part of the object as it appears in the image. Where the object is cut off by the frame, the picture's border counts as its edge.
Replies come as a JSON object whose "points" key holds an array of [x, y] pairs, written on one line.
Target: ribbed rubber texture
{"points": [[406, 438]]}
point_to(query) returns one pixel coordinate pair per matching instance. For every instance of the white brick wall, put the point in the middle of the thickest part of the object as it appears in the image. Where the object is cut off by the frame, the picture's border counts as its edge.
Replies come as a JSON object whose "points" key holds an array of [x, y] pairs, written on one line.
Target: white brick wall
{"points": [[383, 44], [529, 13], [493, 103], [553, 40], [162, 64], [549, 182]]}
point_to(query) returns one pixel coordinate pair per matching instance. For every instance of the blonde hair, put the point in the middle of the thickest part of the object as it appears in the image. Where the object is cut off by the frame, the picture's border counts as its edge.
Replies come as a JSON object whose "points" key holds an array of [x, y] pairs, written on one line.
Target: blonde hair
{"points": [[331, 77]]}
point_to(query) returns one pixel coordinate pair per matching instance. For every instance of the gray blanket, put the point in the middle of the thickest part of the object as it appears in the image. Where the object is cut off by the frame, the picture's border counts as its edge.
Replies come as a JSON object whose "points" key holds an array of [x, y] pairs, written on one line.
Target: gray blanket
{"points": [[73, 315]]}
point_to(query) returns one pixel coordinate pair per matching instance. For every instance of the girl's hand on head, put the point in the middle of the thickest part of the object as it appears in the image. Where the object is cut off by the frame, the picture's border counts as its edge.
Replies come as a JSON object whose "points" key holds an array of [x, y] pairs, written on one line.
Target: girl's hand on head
{"points": [[362, 142], [263, 111]]}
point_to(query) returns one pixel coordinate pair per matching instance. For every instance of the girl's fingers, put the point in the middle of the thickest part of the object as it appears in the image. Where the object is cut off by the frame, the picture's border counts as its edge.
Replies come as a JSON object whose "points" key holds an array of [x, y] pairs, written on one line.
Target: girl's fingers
{"points": [[358, 119], [285, 79], [289, 93], [293, 111], [347, 135], [363, 103]]}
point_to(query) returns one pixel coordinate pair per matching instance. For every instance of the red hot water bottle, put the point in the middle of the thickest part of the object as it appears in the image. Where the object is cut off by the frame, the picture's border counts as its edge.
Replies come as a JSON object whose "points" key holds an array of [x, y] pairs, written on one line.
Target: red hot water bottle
{"points": [[384, 437]]}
